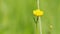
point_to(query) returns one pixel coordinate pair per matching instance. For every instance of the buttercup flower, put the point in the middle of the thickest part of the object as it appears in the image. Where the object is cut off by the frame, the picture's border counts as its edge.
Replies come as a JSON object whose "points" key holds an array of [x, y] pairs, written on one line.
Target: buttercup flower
{"points": [[38, 12]]}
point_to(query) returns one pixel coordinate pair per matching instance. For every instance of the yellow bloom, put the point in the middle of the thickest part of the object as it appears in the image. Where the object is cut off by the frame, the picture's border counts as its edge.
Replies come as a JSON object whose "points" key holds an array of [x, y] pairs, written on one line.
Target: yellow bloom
{"points": [[38, 12]]}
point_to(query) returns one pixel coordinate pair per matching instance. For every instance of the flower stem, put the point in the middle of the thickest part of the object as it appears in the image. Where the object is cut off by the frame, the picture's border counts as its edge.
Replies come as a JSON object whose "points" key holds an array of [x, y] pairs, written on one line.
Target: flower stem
{"points": [[36, 28], [40, 25]]}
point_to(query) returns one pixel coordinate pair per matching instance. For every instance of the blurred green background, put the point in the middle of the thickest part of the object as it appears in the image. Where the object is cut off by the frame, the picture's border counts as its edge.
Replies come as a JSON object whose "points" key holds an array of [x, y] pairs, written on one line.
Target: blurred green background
{"points": [[16, 16]]}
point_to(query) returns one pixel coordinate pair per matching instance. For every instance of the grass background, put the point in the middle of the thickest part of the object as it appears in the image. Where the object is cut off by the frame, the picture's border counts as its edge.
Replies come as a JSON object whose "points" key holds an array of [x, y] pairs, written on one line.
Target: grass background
{"points": [[16, 16]]}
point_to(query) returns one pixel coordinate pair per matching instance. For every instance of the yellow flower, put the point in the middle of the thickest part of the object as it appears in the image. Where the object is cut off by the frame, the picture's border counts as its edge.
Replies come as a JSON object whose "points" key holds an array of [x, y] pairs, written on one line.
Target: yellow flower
{"points": [[38, 12]]}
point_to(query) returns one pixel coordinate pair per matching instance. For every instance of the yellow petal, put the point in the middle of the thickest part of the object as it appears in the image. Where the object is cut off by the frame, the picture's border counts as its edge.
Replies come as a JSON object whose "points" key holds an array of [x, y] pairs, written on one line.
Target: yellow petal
{"points": [[38, 12]]}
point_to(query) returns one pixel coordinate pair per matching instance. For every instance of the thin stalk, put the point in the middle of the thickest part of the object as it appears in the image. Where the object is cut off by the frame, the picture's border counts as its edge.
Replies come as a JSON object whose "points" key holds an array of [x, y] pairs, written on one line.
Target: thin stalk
{"points": [[38, 6], [36, 29], [37, 25], [40, 25]]}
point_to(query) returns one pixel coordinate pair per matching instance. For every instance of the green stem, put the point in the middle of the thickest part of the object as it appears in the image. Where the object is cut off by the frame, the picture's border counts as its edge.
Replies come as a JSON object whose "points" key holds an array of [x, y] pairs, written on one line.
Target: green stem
{"points": [[36, 29], [36, 25]]}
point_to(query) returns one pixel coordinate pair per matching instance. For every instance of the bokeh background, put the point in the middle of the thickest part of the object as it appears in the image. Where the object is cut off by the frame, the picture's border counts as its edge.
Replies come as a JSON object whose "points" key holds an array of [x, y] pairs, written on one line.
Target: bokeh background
{"points": [[16, 16]]}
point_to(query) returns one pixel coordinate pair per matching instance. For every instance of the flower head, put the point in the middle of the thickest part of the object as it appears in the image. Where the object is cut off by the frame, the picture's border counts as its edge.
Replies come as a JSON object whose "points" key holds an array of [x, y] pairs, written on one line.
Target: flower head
{"points": [[38, 12]]}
